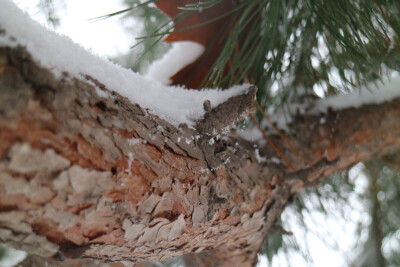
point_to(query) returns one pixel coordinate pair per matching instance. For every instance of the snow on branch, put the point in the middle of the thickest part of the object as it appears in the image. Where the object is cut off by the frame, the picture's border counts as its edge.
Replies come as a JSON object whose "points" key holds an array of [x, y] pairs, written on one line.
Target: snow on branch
{"points": [[180, 55], [374, 93], [60, 54]]}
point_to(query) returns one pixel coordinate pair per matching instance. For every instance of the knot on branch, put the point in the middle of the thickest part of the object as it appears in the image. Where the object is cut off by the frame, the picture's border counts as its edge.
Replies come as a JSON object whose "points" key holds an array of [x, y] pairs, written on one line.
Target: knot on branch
{"points": [[223, 117]]}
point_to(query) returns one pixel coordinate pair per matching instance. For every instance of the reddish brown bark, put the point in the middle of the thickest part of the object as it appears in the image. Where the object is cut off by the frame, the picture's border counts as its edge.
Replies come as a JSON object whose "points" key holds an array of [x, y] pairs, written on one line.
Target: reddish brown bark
{"points": [[210, 27], [211, 35], [87, 176]]}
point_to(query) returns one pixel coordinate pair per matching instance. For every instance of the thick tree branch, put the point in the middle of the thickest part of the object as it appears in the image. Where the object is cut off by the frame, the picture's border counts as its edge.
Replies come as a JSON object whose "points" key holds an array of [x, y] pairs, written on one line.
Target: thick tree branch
{"points": [[99, 177]]}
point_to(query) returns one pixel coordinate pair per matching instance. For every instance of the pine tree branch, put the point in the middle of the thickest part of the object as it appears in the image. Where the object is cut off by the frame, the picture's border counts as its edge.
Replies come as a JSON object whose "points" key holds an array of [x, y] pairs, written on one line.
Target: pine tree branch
{"points": [[90, 176]]}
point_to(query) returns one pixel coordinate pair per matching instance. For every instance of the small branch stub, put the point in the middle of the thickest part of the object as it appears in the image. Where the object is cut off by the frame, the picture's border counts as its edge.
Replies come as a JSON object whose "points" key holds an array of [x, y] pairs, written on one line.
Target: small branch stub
{"points": [[223, 116]]}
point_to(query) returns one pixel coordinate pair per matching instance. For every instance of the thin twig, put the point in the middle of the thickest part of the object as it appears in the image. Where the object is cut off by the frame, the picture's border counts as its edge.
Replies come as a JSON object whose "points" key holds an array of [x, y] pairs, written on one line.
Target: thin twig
{"points": [[286, 141], [281, 230], [272, 144]]}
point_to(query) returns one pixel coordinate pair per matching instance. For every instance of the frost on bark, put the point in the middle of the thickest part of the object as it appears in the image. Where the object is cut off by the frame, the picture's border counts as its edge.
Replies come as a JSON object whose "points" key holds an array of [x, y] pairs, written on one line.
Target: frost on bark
{"points": [[89, 176]]}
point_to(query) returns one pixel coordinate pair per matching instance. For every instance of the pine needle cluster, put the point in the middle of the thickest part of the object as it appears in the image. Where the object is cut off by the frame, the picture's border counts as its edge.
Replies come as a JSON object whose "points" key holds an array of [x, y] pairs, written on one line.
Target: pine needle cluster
{"points": [[293, 50]]}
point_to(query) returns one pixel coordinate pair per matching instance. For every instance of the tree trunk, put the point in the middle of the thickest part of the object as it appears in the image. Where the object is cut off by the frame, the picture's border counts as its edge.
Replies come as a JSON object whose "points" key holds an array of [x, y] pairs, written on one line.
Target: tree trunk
{"points": [[89, 176]]}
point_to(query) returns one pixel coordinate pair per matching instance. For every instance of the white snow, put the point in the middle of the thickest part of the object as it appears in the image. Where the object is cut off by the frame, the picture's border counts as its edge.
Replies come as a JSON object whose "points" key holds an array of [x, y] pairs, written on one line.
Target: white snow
{"points": [[60, 54], [107, 36], [180, 55], [160, 128], [226, 161], [258, 156], [251, 134], [134, 141], [275, 160], [376, 93], [11, 256], [130, 161]]}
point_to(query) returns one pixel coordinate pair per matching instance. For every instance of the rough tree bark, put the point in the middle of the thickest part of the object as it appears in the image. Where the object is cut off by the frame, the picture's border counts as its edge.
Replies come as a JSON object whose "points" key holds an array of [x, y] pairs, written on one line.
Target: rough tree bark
{"points": [[89, 176]]}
